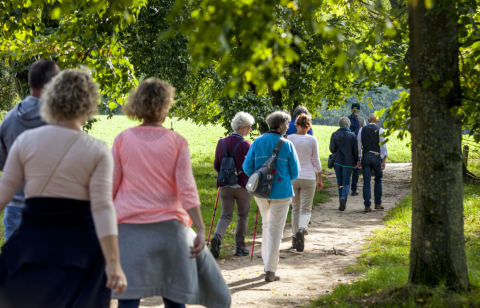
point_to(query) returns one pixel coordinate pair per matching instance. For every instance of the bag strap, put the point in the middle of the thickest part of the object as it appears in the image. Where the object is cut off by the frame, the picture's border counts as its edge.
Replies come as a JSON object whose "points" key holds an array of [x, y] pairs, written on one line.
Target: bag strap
{"points": [[65, 150], [235, 148], [278, 147], [224, 148], [346, 135]]}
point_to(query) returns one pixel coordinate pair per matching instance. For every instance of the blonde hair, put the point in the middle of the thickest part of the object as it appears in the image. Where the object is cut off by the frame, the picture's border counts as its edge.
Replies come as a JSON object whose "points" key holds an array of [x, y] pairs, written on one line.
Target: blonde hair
{"points": [[70, 95], [151, 101]]}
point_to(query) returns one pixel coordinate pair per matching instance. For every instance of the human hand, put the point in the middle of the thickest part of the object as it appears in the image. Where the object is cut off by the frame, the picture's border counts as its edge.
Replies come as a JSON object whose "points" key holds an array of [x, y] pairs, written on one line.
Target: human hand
{"points": [[116, 279], [359, 165], [383, 165], [319, 185], [198, 245]]}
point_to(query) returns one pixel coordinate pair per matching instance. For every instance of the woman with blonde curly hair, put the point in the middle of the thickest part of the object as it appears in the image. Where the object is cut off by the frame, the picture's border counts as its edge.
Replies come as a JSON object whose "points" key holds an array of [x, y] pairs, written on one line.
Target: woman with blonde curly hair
{"points": [[65, 252], [155, 195]]}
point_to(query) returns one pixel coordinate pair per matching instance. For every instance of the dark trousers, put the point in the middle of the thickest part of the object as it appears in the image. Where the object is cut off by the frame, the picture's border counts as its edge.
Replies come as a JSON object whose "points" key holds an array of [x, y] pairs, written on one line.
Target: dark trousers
{"points": [[372, 162], [134, 303], [344, 174], [355, 176], [228, 196]]}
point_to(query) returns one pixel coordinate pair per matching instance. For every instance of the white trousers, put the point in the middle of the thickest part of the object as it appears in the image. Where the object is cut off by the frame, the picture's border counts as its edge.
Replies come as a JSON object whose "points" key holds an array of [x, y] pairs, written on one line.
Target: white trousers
{"points": [[274, 214]]}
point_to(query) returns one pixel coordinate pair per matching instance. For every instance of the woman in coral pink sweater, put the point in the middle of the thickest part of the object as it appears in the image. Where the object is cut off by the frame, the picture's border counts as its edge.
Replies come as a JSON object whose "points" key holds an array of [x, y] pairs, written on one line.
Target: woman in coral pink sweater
{"points": [[155, 195]]}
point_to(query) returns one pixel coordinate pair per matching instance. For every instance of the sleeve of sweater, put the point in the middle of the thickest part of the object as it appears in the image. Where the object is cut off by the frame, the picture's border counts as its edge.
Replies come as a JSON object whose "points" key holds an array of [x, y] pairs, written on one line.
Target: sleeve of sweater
{"points": [[217, 162], [315, 158], [117, 166], [185, 182], [293, 162], [333, 147], [100, 188], [3, 151], [13, 174]]}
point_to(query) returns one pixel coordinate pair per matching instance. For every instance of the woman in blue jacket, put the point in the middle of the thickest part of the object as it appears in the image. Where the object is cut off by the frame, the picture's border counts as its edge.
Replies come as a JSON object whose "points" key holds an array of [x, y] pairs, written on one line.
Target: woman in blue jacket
{"points": [[274, 209]]}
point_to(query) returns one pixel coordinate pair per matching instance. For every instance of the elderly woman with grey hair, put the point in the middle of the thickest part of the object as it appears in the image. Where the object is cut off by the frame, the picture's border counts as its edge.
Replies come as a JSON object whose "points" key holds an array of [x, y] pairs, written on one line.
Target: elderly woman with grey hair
{"points": [[237, 147], [274, 209], [344, 143]]}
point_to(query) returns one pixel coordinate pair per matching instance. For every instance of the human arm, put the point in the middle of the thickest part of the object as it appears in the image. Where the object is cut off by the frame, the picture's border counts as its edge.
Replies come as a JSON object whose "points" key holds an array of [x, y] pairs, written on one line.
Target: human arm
{"points": [[199, 242], [13, 175], [117, 166], [105, 220], [3, 151], [315, 157], [217, 161], [359, 142], [248, 165], [333, 146], [293, 162], [383, 147]]}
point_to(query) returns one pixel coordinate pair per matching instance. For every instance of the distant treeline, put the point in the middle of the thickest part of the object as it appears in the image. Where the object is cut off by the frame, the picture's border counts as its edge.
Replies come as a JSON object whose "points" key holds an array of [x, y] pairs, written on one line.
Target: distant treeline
{"points": [[380, 100]]}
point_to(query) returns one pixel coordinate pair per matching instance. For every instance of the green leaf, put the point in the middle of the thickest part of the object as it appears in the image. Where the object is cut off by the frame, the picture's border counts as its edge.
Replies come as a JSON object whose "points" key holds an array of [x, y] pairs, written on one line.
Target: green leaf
{"points": [[379, 67], [426, 83], [368, 62], [112, 105], [7, 25]]}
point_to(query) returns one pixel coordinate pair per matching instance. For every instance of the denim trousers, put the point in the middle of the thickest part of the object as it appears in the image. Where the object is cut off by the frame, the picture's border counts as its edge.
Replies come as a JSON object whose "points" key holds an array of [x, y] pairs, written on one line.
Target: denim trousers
{"points": [[370, 162], [11, 220], [344, 174], [355, 176]]}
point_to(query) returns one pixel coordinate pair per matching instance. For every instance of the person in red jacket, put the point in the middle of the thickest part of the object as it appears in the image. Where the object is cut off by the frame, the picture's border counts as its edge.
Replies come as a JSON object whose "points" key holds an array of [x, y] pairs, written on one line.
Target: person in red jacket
{"points": [[242, 126]]}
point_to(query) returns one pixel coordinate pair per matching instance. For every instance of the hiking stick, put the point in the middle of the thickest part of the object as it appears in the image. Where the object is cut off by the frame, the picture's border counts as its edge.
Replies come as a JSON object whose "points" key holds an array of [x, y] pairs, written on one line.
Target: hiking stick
{"points": [[254, 235], [213, 217]]}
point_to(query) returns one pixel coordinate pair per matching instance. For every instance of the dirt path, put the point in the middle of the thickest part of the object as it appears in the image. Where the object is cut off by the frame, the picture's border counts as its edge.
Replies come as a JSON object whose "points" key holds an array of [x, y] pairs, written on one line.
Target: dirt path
{"points": [[307, 275]]}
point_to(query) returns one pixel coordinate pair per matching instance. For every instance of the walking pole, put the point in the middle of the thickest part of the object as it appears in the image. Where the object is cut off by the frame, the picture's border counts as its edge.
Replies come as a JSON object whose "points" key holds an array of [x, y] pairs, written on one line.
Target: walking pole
{"points": [[254, 235], [213, 217]]}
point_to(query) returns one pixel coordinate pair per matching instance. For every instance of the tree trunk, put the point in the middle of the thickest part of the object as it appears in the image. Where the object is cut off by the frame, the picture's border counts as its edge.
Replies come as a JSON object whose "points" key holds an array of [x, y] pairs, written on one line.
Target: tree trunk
{"points": [[438, 245]]}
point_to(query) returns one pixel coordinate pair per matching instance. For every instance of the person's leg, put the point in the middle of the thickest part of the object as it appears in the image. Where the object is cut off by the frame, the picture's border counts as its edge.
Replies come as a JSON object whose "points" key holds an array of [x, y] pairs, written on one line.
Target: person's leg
{"points": [[307, 194], [339, 175], [377, 190], [11, 221], [243, 208], [367, 176], [227, 201], [278, 216], [170, 304], [296, 202], [347, 175], [355, 176], [128, 303], [264, 207]]}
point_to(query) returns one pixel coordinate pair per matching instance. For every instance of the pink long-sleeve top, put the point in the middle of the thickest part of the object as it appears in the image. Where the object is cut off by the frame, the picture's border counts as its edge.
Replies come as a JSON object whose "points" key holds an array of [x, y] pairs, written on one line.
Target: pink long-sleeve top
{"points": [[307, 151], [85, 172], [153, 178]]}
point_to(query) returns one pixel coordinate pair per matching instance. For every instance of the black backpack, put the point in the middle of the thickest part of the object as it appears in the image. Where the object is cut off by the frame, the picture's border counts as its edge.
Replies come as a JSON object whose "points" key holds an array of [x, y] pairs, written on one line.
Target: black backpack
{"points": [[261, 182], [228, 175], [354, 124]]}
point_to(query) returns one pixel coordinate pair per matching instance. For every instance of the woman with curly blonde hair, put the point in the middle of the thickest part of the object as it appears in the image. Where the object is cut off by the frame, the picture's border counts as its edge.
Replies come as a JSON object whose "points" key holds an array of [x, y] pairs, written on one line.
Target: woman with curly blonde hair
{"points": [[65, 252], [155, 195]]}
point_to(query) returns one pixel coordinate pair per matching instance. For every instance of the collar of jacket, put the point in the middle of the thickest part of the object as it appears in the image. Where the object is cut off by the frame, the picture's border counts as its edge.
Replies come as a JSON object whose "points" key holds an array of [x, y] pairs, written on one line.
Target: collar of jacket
{"points": [[236, 135], [345, 128], [273, 132]]}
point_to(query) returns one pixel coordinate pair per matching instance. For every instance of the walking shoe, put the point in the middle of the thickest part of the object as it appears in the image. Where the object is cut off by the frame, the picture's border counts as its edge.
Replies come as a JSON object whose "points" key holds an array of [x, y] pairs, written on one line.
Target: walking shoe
{"points": [[367, 209], [215, 247], [379, 207], [239, 252], [270, 276], [300, 239], [294, 243], [354, 193], [343, 204]]}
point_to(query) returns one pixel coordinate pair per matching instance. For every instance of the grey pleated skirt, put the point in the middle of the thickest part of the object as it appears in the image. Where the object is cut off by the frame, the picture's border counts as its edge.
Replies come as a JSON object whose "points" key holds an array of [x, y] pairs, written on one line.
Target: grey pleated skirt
{"points": [[155, 258]]}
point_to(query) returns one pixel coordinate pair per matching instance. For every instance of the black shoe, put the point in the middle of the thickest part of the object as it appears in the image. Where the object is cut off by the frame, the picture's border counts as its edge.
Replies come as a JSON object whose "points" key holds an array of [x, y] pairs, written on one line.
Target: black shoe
{"points": [[294, 243], [354, 193], [343, 204], [215, 247], [241, 252], [300, 239]]}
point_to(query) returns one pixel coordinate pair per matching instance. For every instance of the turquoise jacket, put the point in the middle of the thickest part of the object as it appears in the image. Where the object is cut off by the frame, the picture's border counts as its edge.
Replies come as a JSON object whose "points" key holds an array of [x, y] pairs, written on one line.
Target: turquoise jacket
{"points": [[287, 164]]}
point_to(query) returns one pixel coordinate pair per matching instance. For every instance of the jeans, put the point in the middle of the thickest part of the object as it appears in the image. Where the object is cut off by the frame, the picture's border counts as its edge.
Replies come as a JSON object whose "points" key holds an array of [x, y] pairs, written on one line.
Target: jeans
{"points": [[302, 203], [134, 303], [228, 196], [344, 174], [355, 176], [274, 214], [11, 220], [371, 161]]}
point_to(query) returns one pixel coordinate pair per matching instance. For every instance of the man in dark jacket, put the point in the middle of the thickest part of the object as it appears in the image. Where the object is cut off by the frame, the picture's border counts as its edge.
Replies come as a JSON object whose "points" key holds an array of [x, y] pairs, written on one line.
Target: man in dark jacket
{"points": [[344, 143], [25, 115], [356, 123], [242, 125]]}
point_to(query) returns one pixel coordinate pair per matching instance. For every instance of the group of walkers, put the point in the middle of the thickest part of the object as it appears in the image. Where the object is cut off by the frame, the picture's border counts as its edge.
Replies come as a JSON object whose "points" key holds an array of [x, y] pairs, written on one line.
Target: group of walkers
{"points": [[82, 219], [84, 224]]}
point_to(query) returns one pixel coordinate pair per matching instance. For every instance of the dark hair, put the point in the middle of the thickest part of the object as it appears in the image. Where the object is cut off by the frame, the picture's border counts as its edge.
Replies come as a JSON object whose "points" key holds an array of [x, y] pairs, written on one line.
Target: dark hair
{"points": [[277, 118], [299, 110], [356, 105], [304, 120], [41, 72]]}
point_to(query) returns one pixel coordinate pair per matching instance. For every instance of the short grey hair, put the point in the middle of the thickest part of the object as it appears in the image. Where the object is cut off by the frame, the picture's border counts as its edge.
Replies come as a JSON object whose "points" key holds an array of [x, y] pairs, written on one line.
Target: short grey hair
{"points": [[344, 122], [277, 118], [242, 119], [299, 110]]}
